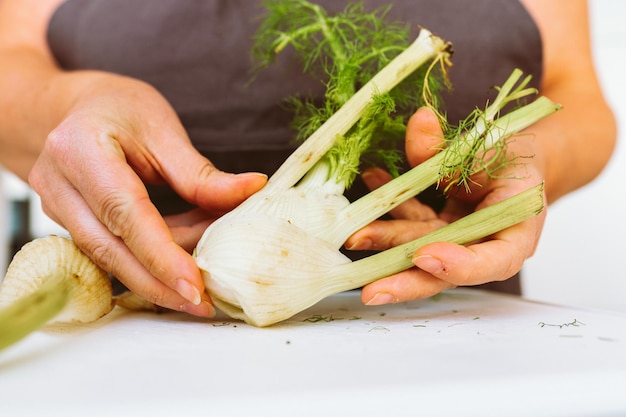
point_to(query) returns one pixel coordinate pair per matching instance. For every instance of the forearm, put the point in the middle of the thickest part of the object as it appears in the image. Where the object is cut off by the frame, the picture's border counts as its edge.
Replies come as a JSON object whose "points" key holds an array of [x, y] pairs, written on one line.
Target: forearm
{"points": [[35, 93], [23, 116], [573, 145], [35, 97]]}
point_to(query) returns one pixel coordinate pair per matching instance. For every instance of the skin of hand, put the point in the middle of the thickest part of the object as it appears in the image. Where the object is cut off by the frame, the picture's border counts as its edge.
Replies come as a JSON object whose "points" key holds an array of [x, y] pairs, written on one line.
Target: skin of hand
{"points": [[443, 265], [87, 141], [90, 175], [566, 150]]}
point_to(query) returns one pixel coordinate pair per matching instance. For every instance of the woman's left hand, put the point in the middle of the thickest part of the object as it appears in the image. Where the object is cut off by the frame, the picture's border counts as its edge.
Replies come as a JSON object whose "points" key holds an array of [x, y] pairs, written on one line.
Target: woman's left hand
{"points": [[443, 265]]}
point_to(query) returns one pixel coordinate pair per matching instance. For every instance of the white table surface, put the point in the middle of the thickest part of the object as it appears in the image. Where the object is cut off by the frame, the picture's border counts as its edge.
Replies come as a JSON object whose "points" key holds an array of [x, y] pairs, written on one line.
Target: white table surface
{"points": [[467, 352]]}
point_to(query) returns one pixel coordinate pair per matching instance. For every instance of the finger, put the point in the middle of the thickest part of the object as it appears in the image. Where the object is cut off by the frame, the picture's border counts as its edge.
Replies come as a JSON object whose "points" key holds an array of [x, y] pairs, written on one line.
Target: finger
{"points": [[187, 228], [404, 286], [445, 265], [198, 181], [122, 263], [411, 209], [385, 234], [423, 136], [493, 260], [380, 235], [118, 198], [50, 213], [110, 252], [123, 206]]}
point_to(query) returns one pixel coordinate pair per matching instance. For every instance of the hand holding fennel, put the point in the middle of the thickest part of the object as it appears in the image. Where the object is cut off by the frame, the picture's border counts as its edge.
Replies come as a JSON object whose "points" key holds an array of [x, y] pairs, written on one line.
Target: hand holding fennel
{"points": [[291, 231], [442, 265]]}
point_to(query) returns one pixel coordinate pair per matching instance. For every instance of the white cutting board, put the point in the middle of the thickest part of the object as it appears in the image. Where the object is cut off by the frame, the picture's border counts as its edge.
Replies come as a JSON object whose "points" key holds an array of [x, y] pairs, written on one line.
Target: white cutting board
{"points": [[466, 352]]}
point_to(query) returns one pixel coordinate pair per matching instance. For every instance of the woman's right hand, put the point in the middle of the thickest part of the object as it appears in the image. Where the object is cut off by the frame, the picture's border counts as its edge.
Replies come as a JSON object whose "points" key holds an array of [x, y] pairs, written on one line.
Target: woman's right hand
{"points": [[90, 174]]}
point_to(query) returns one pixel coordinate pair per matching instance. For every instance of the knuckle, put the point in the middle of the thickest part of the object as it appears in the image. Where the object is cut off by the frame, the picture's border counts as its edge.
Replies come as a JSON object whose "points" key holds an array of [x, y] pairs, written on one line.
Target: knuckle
{"points": [[116, 214], [106, 254], [513, 266], [207, 169], [54, 149], [154, 296], [100, 251], [59, 143], [36, 179], [203, 176]]}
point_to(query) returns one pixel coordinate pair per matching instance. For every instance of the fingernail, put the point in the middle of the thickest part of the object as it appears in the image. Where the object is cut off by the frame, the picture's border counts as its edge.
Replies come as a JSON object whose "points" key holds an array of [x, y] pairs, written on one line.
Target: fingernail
{"points": [[359, 244], [429, 264], [365, 175], [204, 309], [380, 299], [371, 179], [252, 174], [188, 291]]}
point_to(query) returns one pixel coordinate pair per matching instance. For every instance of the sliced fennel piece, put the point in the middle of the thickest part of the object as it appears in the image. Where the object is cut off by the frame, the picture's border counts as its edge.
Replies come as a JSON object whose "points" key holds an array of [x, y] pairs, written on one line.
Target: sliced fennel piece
{"points": [[51, 280]]}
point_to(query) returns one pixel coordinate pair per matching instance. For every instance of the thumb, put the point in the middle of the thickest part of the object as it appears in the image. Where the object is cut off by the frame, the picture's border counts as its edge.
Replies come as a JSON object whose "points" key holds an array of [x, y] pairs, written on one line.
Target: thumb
{"points": [[198, 181], [424, 136]]}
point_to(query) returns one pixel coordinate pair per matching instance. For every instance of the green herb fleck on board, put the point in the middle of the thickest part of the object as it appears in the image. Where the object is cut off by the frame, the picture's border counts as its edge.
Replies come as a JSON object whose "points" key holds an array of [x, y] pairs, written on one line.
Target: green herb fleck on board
{"points": [[318, 317], [574, 323], [379, 328]]}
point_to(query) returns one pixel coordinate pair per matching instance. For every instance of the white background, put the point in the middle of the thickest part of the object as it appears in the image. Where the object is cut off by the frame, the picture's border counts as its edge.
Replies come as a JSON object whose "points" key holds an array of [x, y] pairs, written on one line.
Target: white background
{"points": [[580, 257]]}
